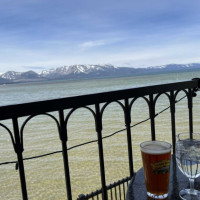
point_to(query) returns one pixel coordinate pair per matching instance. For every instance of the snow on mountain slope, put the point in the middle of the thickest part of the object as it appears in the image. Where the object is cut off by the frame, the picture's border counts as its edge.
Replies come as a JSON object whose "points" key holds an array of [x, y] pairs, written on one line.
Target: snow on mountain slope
{"points": [[10, 75], [77, 69], [92, 71]]}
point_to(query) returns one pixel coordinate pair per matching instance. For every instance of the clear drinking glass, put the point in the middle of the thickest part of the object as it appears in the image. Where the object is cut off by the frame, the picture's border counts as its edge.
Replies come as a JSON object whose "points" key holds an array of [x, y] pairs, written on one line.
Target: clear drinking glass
{"points": [[188, 161]]}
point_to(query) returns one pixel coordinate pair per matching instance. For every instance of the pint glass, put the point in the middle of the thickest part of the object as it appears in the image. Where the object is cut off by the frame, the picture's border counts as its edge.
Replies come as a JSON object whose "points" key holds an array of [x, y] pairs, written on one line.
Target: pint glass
{"points": [[156, 156]]}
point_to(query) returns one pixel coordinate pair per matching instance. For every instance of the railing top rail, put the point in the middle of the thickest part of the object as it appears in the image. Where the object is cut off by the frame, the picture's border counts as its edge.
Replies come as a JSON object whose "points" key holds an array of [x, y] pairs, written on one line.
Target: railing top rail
{"points": [[39, 107]]}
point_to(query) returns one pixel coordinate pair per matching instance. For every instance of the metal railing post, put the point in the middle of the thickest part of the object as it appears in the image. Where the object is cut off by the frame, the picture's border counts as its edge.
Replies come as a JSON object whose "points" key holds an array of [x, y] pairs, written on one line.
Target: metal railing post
{"points": [[19, 151], [173, 122], [129, 140], [63, 137], [152, 116], [100, 147], [190, 105]]}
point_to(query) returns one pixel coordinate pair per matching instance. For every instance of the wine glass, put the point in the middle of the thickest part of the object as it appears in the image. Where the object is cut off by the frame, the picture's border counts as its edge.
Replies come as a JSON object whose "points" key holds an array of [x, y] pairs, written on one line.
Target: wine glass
{"points": [[188, 161]]}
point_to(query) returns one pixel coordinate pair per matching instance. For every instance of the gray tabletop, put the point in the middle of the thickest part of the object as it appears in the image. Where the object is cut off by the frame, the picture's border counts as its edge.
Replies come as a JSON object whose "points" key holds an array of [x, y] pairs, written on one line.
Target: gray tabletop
{"points": [[137, 190]]}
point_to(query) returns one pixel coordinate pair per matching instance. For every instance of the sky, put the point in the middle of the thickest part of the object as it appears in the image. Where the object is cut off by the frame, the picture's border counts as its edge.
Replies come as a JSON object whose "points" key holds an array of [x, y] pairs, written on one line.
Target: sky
{"points": [[43, 34]]}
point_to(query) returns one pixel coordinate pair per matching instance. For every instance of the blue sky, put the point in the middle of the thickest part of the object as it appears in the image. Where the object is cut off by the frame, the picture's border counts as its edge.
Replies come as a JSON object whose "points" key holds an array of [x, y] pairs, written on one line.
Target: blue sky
{"points": [[41, 34]]}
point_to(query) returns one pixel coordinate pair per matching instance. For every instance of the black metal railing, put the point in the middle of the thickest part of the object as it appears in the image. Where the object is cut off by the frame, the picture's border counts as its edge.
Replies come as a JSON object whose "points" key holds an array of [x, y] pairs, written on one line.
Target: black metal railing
{"points": [[116, 190], [125, 98]]}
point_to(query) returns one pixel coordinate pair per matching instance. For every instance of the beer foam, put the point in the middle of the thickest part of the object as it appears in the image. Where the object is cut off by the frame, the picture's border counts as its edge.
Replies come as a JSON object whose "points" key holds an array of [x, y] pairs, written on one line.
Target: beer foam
{"points": [[155, 147]]}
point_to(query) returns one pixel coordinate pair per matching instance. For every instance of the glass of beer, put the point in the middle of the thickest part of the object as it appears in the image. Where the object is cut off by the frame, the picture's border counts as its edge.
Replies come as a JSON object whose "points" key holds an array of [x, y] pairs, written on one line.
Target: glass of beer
{"points": [[156, 156]]}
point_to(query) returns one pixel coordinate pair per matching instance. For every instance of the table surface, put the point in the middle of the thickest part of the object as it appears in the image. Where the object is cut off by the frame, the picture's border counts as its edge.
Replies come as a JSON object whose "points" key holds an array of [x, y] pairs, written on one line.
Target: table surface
{"points": [[137, 189]]}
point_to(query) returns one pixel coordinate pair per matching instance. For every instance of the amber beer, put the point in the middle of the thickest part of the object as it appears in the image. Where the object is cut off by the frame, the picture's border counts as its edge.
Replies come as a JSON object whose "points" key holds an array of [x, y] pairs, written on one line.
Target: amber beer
{"points": [[156, 163]]}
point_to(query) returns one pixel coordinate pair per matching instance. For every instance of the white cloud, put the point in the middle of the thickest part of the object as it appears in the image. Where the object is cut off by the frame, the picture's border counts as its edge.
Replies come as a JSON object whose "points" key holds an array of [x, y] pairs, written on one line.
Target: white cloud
{"points": [[108, 40], [95, 43]]}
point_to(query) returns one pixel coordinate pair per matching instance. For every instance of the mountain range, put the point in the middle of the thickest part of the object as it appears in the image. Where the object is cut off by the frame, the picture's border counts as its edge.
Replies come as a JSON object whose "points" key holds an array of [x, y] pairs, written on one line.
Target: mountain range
{"points": [[91, 71]]}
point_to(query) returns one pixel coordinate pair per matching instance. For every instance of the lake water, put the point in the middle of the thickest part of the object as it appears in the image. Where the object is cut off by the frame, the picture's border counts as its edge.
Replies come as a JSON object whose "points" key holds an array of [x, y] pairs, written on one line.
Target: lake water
{"points": [[45, 177]]}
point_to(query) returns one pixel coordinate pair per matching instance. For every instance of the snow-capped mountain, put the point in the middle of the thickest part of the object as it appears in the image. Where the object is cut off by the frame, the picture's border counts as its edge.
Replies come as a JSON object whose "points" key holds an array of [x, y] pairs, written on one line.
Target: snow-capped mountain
{"points": [[91, 71], [10, 75], [76, 70]]}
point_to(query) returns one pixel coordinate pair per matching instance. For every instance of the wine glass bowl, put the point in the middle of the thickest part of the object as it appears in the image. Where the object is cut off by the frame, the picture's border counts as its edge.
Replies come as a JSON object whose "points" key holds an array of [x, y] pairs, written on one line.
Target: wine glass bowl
{"points": [[188, 161]]}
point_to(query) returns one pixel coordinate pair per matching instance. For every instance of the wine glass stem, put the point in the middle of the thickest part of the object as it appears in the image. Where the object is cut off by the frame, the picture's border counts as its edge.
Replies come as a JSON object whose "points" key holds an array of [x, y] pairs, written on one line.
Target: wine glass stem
{"points": [[191, 183]]}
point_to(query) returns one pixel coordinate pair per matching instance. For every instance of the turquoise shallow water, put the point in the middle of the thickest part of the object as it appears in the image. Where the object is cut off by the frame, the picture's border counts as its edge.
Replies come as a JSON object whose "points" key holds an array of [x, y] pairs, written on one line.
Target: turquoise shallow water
{"points": [[45, 177]]}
